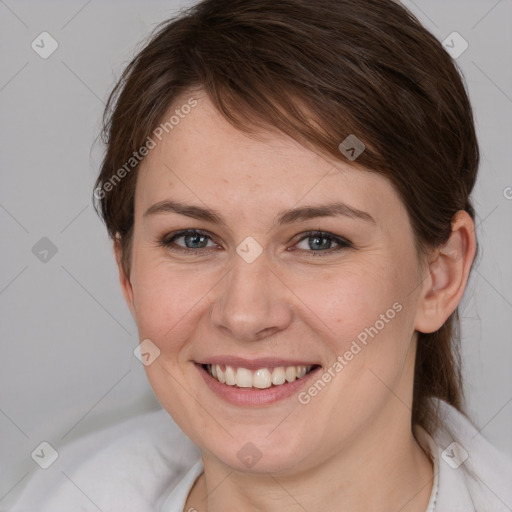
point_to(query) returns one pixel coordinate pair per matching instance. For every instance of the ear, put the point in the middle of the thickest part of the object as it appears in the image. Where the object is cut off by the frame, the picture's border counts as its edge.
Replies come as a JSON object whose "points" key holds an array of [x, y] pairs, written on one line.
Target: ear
{"points": [[126, 285], [448, 273]]}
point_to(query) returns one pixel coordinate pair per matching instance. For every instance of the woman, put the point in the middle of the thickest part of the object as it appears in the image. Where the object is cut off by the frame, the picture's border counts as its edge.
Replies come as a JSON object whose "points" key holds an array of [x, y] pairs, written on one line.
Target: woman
{"points": [[287, 185]]}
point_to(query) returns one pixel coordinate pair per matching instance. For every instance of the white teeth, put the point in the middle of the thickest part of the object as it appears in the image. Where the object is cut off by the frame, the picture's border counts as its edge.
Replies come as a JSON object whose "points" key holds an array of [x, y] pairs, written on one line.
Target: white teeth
{"points": [[278, 376], [291, 373], [262, 378], [221, 375], [243, 378], [230, 376]]}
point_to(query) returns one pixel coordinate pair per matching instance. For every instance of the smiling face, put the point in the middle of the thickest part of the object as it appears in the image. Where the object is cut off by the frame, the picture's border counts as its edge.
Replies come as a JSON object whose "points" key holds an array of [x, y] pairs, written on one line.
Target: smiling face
{"points": [[287, 260]]}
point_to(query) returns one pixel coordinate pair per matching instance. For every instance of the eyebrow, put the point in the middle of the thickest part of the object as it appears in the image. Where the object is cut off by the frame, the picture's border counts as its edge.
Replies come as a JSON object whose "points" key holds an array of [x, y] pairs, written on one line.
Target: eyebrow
{"points": [[285, 217]]}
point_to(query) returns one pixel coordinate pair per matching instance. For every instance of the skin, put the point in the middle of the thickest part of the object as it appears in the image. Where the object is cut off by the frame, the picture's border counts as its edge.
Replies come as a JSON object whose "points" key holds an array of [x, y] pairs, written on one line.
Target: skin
{"points": [[355, 435]]}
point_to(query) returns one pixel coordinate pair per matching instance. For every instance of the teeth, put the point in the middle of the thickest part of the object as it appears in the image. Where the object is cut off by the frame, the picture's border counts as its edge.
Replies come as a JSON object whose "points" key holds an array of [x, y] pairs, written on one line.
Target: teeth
{"points": [[278, 376], [230, 376], [261, 379], [220, 375], [243, 378], [291, 373]]}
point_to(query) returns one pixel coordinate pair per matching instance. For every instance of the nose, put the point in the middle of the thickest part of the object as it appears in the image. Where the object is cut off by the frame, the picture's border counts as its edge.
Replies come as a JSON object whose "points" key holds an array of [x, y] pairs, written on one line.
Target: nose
{"points": [[253, 303]]}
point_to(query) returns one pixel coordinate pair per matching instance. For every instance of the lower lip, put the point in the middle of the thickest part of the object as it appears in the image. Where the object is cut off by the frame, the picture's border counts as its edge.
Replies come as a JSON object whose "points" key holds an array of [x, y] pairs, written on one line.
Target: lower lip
{"points": [[253, 396]]}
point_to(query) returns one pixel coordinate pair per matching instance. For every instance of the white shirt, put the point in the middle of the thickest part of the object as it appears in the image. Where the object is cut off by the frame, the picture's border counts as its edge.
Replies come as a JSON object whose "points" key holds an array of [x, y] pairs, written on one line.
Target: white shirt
{"points": [[146, 464]]}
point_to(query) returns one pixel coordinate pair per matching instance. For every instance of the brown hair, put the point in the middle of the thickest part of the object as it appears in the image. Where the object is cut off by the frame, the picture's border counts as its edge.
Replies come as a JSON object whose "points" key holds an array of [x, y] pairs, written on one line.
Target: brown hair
{"points": [[318, 71]]}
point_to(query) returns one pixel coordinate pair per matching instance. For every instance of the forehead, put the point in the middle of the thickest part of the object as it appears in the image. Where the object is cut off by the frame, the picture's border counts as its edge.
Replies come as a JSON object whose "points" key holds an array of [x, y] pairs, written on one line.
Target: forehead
{"points": [[204, 159]]}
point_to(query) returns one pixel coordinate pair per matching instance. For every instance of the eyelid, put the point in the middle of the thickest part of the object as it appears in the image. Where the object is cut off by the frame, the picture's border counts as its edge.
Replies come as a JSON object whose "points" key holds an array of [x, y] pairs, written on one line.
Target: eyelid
{"points": [[342, 242], [184, 232], [167, 240]]}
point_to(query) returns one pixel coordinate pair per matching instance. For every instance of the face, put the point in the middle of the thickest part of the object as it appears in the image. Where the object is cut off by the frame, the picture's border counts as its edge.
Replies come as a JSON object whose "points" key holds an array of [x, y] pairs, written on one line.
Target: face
{"points": [[258, 259]]}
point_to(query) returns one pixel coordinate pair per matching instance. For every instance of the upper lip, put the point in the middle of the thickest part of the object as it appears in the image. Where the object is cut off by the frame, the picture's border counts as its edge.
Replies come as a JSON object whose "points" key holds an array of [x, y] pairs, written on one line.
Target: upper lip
{"points": [[254, 364]]}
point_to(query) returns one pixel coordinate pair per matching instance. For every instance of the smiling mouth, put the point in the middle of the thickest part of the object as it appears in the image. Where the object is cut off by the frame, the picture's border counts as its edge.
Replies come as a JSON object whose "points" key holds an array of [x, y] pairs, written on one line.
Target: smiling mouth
{"points": [[262, 378]]}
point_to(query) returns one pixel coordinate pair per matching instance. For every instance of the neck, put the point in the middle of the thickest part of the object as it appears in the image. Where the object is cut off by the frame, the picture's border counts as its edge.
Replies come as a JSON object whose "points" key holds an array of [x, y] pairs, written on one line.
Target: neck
{"points": [[386, 471]]}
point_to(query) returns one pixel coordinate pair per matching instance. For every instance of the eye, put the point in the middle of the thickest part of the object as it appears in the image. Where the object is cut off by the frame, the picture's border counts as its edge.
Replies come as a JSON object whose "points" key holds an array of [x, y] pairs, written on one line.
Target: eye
{"points": [[316, 243], [321, 242], [190, 240]]}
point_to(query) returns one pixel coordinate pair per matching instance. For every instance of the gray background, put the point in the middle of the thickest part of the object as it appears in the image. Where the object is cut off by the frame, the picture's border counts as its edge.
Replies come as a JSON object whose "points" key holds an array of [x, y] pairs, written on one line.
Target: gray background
{"points": [[66, 365]]}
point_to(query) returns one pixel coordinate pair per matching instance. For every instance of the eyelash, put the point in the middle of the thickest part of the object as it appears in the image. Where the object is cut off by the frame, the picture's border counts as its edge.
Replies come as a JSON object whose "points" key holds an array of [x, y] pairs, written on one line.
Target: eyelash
{"points": [[168, 242]]}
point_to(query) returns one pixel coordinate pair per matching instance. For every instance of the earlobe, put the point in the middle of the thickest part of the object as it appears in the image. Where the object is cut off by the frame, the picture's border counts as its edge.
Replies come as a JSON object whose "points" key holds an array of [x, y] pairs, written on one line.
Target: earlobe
{"points": [[448, 273], [124, 279]]}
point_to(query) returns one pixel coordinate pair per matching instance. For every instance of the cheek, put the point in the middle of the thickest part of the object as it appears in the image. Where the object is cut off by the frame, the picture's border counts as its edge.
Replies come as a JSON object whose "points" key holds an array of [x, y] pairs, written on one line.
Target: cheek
{"points": [[167, 302], [365, 315], [377, 325], [342, 302]]}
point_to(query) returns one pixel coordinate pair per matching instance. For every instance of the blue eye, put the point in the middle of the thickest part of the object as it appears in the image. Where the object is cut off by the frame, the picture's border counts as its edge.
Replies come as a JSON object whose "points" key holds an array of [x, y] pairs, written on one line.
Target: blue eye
{"points": [[313, 243], [195, 241], [321, 242], [188, 240]]}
